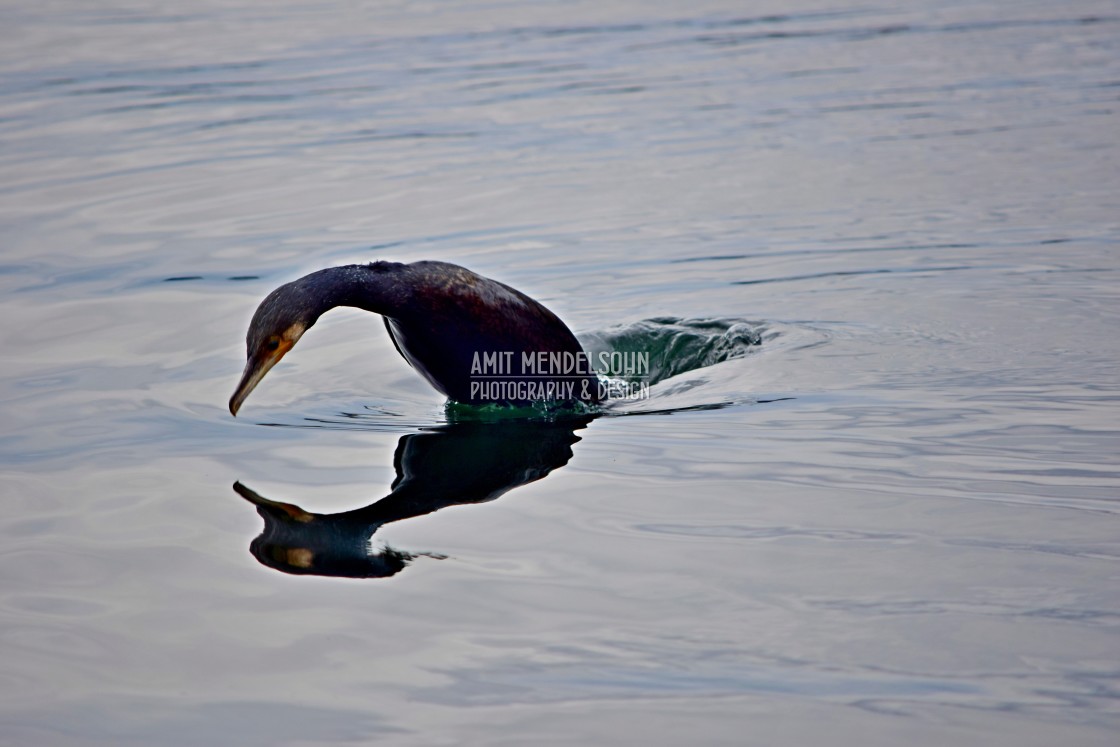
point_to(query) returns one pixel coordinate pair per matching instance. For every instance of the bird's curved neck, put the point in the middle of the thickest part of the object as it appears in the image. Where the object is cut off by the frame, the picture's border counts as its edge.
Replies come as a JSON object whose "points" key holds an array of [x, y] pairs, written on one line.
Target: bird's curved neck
{"points": [[375, 288]]}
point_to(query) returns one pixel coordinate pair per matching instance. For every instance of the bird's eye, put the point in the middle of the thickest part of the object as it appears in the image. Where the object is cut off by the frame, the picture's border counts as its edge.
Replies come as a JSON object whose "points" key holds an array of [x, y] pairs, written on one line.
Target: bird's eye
{"points": [[273, 343]]}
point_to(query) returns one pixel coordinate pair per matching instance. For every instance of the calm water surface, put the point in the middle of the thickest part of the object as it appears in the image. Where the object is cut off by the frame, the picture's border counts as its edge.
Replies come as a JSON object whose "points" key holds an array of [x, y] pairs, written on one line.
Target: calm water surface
{"points": [[899, 526]]}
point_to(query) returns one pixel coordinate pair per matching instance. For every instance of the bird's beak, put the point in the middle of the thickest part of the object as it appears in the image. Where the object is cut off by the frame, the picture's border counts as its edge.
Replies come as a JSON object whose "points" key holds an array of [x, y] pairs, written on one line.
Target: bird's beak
{"points": [[257, 367], [275, 508]]}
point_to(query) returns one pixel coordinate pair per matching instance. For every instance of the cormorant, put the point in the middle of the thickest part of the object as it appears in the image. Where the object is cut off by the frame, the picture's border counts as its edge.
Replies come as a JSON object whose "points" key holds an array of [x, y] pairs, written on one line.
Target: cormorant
{"points": [[474, 339]]}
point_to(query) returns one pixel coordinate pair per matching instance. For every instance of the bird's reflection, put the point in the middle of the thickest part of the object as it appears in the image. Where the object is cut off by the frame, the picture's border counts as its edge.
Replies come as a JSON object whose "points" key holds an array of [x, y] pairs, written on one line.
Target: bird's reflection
{"points": [[469, 462]]}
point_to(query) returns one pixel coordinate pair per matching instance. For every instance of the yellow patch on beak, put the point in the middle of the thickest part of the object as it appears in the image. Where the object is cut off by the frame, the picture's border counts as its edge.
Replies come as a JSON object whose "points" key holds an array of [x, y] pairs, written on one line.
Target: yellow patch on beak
{"points": [[257, 366], [300, 557]]}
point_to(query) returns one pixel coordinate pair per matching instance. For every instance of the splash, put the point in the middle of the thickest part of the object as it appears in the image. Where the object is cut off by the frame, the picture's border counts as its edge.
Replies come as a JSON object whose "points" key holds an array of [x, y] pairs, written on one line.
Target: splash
{"points": [[675, 345]]}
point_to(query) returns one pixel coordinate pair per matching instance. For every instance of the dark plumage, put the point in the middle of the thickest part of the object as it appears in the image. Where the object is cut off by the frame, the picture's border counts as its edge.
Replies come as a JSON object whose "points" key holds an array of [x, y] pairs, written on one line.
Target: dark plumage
{"points": [[439, 316]]}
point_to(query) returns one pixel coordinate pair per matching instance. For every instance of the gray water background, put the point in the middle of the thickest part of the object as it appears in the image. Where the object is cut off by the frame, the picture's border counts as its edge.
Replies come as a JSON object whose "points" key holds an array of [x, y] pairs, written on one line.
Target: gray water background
{"points": [[903, 530]]}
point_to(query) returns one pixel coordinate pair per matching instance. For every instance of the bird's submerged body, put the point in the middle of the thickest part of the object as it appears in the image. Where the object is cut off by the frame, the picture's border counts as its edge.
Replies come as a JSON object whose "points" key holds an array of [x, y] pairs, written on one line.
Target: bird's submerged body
{"points": [[471, 337]]}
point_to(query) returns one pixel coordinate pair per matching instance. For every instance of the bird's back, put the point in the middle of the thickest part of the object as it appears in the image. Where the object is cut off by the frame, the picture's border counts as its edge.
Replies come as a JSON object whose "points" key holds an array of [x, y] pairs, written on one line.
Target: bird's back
{"points": [[455, 318]]}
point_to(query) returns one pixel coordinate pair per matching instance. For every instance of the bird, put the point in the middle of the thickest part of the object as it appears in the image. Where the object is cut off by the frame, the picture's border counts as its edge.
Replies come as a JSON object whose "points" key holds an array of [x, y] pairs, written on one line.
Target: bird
{"points": [[458, 329]]}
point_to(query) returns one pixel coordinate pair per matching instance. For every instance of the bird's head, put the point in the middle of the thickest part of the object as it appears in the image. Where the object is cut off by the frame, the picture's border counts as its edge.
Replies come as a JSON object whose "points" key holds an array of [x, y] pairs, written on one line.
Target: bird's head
{"points": [[277, 325]]}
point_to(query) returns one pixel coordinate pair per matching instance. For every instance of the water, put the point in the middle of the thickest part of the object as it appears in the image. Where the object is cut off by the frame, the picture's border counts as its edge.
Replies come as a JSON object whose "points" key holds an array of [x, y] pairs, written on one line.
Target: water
{"points": [[892, 522]]}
